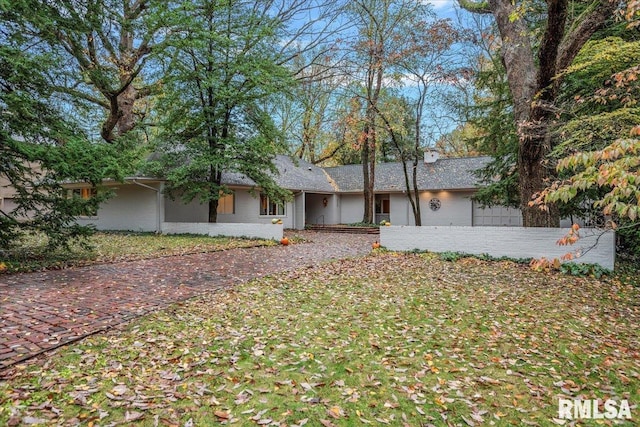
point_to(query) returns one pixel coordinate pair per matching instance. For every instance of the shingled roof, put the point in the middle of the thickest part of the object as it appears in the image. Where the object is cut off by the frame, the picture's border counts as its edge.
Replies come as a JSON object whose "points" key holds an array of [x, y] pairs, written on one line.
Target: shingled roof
{"points": [[298, 175], [444, 174]]}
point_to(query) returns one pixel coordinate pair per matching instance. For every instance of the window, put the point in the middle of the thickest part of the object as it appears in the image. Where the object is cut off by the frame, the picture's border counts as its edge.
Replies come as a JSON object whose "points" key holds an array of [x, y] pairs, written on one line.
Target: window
{"points": [[382, 205], [86, 194], [226, 204], [269, 207]]}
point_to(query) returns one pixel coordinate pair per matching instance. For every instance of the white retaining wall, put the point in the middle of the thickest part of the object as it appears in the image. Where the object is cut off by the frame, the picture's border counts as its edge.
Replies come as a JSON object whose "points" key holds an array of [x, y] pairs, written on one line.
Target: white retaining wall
{"points": [[261, 231], [513, 242]]}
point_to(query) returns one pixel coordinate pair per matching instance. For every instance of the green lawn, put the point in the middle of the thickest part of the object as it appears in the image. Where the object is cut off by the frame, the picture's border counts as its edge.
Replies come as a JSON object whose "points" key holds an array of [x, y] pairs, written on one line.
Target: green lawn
{"points": [[31, 254], [389, 339]]}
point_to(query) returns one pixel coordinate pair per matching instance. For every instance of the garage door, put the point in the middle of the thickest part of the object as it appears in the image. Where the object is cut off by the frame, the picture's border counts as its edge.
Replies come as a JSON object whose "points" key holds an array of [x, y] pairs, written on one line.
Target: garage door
{"points": [[496, 216]]}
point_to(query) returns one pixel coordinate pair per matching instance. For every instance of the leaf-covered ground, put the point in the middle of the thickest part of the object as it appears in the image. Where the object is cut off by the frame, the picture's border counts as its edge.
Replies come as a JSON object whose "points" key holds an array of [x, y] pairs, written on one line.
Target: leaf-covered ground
{"points": [[32, 254], [387, 339]]}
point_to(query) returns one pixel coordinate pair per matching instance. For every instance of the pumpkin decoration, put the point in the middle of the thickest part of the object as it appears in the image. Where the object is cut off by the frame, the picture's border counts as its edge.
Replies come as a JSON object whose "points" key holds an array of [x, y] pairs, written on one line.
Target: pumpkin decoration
{"points": [[375, 245], [284, 241], [274, 221], [387, 223], [279, 221]]}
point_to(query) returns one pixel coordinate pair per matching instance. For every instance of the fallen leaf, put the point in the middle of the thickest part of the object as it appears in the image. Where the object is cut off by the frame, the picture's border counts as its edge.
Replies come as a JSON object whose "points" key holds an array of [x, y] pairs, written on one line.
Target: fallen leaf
{"points": [[132, 416], [221, 414], [119, 390], [33, 420]]}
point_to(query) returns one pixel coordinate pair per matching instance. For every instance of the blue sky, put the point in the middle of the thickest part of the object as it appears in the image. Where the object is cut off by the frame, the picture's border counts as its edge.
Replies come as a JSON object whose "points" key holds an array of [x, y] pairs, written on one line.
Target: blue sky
{"points": [[444, 8]]}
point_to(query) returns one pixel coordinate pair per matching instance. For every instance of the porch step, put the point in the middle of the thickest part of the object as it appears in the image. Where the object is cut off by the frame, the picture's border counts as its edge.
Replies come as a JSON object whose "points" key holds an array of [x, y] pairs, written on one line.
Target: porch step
{"points": [[343, 229]]}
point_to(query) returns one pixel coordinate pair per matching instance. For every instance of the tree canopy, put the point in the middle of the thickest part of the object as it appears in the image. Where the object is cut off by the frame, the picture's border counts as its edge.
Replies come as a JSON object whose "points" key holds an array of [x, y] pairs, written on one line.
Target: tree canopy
{"points": [[538, 43], [40, 150]]}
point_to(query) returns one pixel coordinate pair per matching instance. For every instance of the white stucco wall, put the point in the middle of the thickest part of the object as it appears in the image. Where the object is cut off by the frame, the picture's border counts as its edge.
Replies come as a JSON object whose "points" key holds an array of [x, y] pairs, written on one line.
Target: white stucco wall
{"points": [[177, 211], [456, 208], [317, 212], [132, 208], [7, 204], [261, 231], [351, 208], [514, 242]]}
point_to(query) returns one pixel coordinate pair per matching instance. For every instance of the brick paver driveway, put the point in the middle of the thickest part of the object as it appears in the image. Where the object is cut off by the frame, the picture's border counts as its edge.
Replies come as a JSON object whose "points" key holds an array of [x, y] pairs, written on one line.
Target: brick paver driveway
{"points": [[40, 311]]}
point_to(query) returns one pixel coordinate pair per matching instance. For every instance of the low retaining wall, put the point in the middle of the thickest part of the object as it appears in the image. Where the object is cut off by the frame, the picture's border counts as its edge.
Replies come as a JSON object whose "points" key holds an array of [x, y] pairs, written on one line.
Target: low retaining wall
{"points": [[513, 242], [260, 231]]}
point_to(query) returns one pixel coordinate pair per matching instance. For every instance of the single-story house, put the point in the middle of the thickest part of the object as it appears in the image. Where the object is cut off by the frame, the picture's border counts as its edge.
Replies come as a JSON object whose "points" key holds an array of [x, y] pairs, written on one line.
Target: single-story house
{"points": [[331, 195], [7, 194]]}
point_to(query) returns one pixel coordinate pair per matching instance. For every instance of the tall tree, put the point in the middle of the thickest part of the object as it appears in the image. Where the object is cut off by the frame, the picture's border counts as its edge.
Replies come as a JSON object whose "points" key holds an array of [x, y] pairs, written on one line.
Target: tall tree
{"points": [[102, 48], [378, 23], [422, 56], [309, 112], [223, 67], [533, 72]]}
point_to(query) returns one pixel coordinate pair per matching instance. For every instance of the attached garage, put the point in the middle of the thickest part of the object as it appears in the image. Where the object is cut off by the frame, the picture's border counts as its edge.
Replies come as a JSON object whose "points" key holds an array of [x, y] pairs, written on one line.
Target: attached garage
{"points": [[496, 216]]}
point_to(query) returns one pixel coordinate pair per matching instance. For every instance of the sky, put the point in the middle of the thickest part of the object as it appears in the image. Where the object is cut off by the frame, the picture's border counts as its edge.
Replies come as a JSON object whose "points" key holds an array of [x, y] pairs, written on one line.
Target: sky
{"points": [[444, 8]]}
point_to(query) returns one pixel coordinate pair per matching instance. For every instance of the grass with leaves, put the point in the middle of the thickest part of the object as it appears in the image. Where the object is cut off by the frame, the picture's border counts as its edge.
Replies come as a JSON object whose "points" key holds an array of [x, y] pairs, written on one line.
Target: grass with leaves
{"points": [[32, 254], [389, 339]]}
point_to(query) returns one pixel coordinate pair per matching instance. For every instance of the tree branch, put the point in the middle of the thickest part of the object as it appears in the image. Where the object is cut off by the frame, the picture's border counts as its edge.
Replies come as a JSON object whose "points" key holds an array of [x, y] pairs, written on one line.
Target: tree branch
{"points": [[475, 7], [79, 94], [591, 21], [517, 56], [548, 53]]}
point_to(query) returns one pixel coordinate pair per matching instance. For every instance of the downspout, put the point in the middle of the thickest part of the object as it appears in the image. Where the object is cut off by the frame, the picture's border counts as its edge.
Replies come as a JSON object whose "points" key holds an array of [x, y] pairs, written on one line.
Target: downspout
{"points": [[158, 203]]}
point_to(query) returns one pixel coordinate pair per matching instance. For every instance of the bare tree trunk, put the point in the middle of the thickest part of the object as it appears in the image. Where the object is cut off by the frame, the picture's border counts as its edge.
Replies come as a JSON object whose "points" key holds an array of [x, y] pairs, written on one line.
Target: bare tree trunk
{"points": [[367, 179], [533, 177], [213, 210], [417, 213]]}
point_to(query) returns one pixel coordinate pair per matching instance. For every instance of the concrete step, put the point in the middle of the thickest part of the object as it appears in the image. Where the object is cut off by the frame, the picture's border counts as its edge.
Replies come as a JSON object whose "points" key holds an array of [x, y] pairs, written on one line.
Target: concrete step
{"points": [[343, 229]]}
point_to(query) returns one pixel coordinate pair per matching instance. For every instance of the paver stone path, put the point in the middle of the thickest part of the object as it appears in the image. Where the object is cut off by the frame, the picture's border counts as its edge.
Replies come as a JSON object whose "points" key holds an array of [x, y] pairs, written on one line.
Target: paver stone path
{"points": [[41, 311]]}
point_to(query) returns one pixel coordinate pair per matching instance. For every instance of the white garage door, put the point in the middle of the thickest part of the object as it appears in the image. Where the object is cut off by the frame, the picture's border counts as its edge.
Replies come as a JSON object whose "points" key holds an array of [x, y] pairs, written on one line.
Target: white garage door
{"points": [[496, 216]]}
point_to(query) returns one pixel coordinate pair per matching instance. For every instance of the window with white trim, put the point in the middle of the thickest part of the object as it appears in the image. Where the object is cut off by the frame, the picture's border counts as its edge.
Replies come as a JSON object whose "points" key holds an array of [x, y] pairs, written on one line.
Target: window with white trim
{"points": [[270, 207]]}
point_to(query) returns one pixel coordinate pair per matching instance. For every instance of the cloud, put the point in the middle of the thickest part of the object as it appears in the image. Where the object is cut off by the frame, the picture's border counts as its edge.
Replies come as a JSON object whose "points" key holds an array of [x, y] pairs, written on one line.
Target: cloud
{"points": [[441, 4]]}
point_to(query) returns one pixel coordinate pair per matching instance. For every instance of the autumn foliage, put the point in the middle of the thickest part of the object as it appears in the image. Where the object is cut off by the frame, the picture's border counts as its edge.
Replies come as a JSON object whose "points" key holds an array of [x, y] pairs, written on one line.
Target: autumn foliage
{"points": [[614, 169]]}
